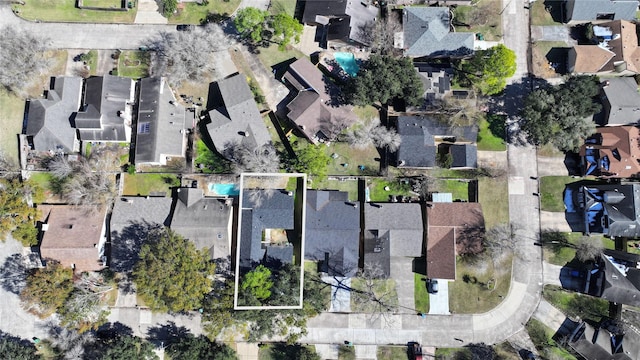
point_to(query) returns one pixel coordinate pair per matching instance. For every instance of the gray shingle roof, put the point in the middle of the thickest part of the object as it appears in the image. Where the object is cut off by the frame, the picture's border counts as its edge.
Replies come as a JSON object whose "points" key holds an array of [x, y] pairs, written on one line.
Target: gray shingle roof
{"points": [[237, 116], [622, 101], [205, 221], [161, 123], [403, 222], [464, 156], [622, 278], [585, 10], [333, 229], [49, 121], [621, 205], [427, 33], [105, 102]]}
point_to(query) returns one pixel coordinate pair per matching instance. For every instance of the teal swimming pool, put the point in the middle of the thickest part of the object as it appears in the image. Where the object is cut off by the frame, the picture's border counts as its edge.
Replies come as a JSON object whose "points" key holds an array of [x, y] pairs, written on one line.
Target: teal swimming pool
{"points": [[224, 189], [347, 62]]}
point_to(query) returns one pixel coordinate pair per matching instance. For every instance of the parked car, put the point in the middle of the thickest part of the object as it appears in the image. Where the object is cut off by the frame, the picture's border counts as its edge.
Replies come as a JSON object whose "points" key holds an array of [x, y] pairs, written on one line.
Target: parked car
{"points": [[415, 351], [185, 27], [432, 286]]}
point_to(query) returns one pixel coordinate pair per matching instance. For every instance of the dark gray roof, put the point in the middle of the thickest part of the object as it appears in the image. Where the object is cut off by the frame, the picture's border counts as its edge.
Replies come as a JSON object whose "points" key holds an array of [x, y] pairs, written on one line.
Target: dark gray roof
{"points": [[418, 147], [597, 343], [427, 33], [586, 10], [262, 209], [282, 254], [206, 221], [464, 156], [622, 277], [237, 116], [619, 203], [104, 110], [402, 221], [345, 18], [161, 123], [622, 101], [332, 229], [377, 251], [436, 80], [312, 8], [50, 120]]}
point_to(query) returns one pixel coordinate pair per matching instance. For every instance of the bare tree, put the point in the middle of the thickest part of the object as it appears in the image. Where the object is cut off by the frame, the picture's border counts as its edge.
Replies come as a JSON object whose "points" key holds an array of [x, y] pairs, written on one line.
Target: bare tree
{"points": [[22, 58], [375, 297], [68, 342], [186, 55], [588, 248], [8, 167], [499, 240], [380, 33], [86, 182], [373, 132], [60, 167], [263, 159]]}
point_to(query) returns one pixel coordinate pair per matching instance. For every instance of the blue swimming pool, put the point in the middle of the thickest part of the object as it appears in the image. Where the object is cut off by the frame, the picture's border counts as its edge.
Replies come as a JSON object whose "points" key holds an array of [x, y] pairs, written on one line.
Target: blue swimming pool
{"points": [[224, 189], [347, 62]]}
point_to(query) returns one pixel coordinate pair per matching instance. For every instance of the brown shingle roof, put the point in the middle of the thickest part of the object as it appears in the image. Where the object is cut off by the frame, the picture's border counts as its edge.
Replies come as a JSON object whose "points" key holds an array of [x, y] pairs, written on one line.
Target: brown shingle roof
{"points": [[626, 46], [461, 224], [591, 58], [618, 142], [72, 235]]}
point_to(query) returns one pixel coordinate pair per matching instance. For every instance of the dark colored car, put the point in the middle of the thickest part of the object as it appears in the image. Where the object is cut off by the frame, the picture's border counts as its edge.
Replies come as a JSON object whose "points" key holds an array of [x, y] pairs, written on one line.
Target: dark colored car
{"points": [[432, 286], [185, 27], [415, 351]]}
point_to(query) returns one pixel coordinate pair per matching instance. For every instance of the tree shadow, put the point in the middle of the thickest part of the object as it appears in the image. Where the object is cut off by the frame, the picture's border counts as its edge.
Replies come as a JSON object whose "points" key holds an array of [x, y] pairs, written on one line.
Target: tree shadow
{"points": [[111, 330], [13, 274], [555, 9], [168, 332], [125, 244]]}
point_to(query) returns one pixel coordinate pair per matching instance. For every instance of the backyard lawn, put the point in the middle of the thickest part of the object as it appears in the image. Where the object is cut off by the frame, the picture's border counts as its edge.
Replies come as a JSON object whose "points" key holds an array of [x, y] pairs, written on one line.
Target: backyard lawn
{"points": [[483, 18], [148, 184], [479, 288], [272, 55], [576, 305], [546, 12], [492, 133], [458, 188], [193, 13], [552, 192], [493, 195], [66, 11], [350, 186], [11, 114], [133, 64], [347, 159], [396, 187], [421, 295]]}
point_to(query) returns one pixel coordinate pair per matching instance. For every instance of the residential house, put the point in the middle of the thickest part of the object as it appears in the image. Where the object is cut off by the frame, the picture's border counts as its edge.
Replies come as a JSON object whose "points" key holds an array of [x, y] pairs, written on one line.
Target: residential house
{"points": [[391, 230], [339, 22], [423, 137], [617, 51], [51, 120], [596, 343], [577, 11], [266, 216], [453, 228], [332, 232], [74, 236], [613, 151], [205, 221], [616, 278], [107, 109], [132, 220], [314, 110], [235, 116], [436, 81], [612, 210], [427, 32], [620, 102], [162, 125]]}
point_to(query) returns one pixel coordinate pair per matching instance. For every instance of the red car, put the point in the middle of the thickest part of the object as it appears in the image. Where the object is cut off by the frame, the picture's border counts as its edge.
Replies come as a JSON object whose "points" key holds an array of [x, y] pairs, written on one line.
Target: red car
{"points": [[415, 350]]}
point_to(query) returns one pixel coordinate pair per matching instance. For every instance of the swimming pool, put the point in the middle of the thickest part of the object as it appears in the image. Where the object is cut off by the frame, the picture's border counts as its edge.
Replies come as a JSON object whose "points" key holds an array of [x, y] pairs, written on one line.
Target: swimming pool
{"points": [[347, 62], [224, 189]]}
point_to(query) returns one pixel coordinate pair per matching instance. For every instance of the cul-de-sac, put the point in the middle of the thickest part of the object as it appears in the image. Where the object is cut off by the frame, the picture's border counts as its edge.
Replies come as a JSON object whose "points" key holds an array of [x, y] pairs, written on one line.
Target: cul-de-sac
{"points": [[319, 179]]}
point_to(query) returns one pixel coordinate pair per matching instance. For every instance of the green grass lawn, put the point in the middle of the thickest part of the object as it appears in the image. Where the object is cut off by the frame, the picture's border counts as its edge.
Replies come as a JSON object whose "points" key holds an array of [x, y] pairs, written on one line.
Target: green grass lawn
{"points": [[192, 13], [353, 158], [542, 338], [350, 186], [392, 353], [541, 16], [493, 195], [144, 184], [283, 6], [272, 55], [483, 18], [377, 190], [421, 295], [476, 295], [208, 161], [458, 188], [133, 64], [574, 304], [384, 290], [66, 11], [552, 192], [562, 255], [366, 112], [492, 133], [11, 114], [92, 61], [108, 4]]}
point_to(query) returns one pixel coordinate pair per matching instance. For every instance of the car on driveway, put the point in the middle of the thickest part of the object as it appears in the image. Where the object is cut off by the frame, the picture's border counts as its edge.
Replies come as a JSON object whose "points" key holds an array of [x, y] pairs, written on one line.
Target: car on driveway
{"points": [[432, 286], [415, 351]]}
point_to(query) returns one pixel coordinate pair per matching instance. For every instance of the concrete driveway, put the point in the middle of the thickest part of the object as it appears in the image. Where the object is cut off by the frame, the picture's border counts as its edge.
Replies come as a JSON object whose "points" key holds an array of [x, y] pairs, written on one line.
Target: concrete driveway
{"points": [[340, 296], [552, 33], [439, 303], [402, 273]]}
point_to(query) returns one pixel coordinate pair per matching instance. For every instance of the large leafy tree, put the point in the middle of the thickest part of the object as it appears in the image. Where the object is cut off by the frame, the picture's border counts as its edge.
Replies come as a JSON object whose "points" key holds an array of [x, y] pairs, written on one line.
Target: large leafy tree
{"points": [[561, 115], [250, 23], [47, 289], [257, 283], [312, 160], [383, 78], [258, 26], [172, 275], [124, 347], [489, 69], [285, 28], [194, 348], [12, 348], [16, 216]]}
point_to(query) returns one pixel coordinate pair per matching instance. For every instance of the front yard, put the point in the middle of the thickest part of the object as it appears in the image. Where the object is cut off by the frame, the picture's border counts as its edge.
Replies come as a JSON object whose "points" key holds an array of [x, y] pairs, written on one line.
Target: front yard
{"points": [[421, 295], [11, 113], [149, 184], [492, 133], [552, 192], [576, 305], [493, 195], [559, 248], [133, 64], [482, 18], [66, 11], [194, 13], [549, 58]]}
